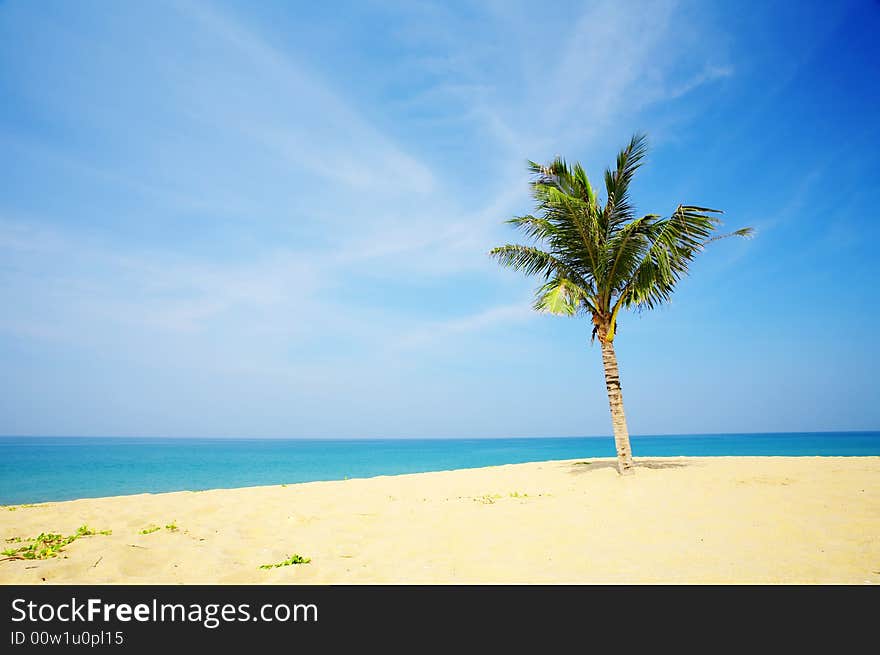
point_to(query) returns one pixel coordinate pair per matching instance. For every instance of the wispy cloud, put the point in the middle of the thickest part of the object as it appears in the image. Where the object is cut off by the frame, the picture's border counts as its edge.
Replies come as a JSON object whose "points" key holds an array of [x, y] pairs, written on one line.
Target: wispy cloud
{"points": [[437, 332], [279, 104], [563, 87]]}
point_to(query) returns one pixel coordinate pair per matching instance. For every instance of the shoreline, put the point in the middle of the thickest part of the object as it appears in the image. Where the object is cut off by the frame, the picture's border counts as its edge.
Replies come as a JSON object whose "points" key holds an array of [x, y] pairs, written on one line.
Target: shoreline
{"points": [[713, 519], [37, 503], [41, 470]]}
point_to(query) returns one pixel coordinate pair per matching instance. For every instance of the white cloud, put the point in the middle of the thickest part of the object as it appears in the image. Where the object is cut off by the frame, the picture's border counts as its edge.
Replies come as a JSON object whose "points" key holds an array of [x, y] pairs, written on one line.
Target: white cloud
{"points": [[438, 331], [279, 104]]}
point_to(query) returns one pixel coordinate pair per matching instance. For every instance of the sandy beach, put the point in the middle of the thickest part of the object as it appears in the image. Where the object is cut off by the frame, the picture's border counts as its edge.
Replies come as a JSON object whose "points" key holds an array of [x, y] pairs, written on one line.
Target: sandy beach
{"points": [[678, 520]]}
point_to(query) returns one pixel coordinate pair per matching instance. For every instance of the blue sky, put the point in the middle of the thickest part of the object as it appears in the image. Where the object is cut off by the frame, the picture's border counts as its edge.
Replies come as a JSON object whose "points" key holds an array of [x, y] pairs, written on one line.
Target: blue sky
{"points": [[253, 219]]}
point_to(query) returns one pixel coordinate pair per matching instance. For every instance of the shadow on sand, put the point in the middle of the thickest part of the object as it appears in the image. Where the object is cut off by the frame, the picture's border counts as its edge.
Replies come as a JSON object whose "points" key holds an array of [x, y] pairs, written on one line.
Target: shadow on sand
{"points": [[587, 466]]}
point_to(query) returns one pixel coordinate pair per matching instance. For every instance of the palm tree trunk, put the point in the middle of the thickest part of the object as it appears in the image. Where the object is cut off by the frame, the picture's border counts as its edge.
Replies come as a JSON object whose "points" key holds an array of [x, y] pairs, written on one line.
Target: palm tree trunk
{"points": [[618, 418]]}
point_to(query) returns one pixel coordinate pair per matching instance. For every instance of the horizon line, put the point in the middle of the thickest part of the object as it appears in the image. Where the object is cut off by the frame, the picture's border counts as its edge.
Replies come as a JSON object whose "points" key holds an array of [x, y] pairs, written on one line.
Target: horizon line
{"points": [[485, 438]]}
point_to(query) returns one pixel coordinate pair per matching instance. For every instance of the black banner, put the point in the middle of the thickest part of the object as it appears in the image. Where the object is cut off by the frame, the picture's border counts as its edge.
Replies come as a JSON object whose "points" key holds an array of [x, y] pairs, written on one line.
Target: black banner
{"points": [[125, 618]]}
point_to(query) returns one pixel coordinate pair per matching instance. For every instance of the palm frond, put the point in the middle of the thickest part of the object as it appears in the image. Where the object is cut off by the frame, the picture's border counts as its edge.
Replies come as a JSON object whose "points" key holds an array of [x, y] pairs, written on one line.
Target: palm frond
{"points": [[568, 203], [582, 182], [744, 232], [527, 259], [617, 206], [674, 243], [561, 297], [625, 250], [534, 227], [572, 181]]}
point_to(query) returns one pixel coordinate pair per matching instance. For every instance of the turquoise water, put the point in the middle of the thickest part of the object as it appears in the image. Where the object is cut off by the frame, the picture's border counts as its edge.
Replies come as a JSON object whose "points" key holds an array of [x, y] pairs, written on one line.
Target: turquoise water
{"points": [[39, 469]]}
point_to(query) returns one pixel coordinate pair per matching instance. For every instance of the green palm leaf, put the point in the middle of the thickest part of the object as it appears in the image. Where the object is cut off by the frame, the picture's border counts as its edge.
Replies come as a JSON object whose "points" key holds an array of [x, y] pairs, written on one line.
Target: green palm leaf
{"points": [[560, 296], [527, 259]]}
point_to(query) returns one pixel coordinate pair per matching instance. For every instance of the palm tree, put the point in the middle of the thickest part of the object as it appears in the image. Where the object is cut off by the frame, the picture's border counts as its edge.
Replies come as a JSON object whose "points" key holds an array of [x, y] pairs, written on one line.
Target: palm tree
{"points": [[598, 258]]}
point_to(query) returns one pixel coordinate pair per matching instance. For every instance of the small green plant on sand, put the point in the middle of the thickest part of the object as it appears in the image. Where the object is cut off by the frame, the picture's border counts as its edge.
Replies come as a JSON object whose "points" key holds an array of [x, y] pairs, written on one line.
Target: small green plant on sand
{"points": [[293, 559], [47, 544], [517, 494], [488, 499], [171, 527]]}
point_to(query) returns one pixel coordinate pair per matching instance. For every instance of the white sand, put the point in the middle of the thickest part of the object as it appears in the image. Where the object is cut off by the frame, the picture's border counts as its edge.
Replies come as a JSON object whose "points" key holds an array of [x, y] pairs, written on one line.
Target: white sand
{"points": [[678, 520]]}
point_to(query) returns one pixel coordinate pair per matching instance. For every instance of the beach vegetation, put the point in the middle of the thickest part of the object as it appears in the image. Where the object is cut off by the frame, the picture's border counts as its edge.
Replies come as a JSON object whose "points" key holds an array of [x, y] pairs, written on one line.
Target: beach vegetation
{"points": [[596, 258], [12, 508], [290, 561], [151, 529], [172, 527], [47, 544]]}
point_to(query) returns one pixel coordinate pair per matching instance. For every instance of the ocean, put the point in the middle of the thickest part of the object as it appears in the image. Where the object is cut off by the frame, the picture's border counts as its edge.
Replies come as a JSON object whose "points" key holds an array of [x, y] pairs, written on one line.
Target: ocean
{"points": [[41, 469]]}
